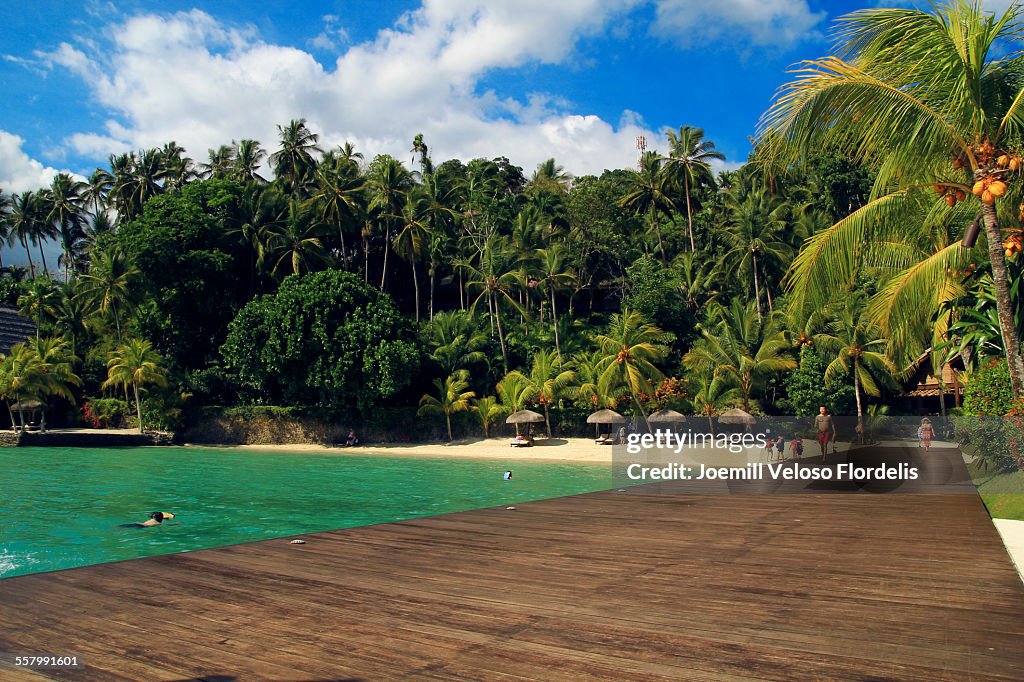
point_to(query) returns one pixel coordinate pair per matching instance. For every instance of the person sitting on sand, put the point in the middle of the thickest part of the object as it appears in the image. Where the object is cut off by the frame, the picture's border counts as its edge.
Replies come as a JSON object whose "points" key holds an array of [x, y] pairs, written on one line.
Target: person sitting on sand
{"points": [[351, 440], [155, 519]]}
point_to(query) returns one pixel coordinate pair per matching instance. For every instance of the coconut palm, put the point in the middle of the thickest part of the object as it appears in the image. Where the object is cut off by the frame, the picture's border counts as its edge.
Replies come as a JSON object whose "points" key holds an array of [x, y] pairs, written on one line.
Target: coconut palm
{"points": [[690, 155], [249, 154], [753, 236], [489, 411], [741, 350], [496, 274], [650, 193], [589, 390], [630, 349], [338, 198], [551, 177], [412, 239], [513, 391], [106, 289], [553, 276], [66, 213], [135, 363], [177, 169], [452, 397], [858, 349], [294, 163], [712, 394], [388, 183], [295, 245], [927, 97], [40, 299], [546, 382], [27, 220], [456, 341], [37, 369]]}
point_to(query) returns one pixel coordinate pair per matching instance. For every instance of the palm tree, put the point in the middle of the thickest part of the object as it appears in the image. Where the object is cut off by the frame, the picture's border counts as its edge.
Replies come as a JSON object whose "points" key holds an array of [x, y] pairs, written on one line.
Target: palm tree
{"points": [[926, 97], [338, 198], [690, 154], [177, 170], [489, 411], [546, 382], [420, 147], [40, 299], [741, 350], [389, 183], [496, 275], [452, 397], [295, 244], [412, 239], [249, 154], [34, 370], [222, 163], [96, 190], [293, 163], [756, 220], [27, 223], [712, 394], [135, 363], [513, 390], [107, 287], [589, 390], [859, 349], [553, 276], [65, 202], [650, 193], [456, 341], [551, 177], [631, 347]]}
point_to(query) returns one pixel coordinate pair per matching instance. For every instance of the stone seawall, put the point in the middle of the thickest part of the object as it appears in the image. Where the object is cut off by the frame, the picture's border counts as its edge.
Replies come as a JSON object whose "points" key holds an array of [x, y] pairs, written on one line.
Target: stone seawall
{"points": [[81, 438]]}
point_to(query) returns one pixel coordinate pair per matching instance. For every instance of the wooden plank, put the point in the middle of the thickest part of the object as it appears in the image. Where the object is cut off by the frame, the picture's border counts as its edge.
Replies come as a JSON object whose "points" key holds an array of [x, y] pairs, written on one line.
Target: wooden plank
{"points": [[645, 584]]}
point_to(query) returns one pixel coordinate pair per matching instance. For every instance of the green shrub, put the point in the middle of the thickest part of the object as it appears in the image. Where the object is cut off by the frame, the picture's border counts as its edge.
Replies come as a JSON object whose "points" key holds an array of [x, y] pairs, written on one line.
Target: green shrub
{"points": [[987, 391], [105, 413]]}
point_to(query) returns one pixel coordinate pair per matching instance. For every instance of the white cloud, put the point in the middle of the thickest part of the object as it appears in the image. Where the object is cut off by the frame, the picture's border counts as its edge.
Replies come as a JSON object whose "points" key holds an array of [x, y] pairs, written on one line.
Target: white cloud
{"points": [[19, 172], [189, 78], [738, 23]]}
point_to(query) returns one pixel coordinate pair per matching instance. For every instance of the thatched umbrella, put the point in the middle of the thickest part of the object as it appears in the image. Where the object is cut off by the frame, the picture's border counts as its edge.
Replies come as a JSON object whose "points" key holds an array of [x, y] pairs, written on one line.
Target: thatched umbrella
{"points": [[523, 417], [666, 416], [736, 416], [604, 417]]}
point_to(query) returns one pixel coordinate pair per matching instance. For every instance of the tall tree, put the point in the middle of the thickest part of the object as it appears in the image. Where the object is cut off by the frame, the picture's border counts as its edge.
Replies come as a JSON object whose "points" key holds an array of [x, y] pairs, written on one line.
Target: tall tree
{"points": [[546, 382], [690, 154], [650, 193], [926, 96], [294, 163], [135, 364], [452, 397], [631, 347]]}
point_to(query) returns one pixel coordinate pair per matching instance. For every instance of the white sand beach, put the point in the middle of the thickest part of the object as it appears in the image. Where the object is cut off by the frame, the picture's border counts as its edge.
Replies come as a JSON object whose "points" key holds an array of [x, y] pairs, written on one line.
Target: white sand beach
{"points": [[557, 449]]}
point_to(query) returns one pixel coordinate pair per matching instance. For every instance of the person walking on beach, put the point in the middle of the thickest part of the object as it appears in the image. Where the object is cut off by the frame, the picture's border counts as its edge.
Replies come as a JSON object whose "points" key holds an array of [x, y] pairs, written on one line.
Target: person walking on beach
{"points": [[826, 431], [925, 433]]}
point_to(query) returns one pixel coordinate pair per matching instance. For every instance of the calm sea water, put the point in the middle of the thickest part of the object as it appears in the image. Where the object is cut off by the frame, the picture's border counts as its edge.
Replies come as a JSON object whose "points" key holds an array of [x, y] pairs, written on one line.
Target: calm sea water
{"points": [[61, 507]]}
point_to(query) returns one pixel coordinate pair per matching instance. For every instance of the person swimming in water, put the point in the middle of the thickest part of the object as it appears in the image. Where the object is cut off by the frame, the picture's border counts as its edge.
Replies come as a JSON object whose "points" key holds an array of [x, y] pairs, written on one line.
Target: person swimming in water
{"points": [[155, 519]]}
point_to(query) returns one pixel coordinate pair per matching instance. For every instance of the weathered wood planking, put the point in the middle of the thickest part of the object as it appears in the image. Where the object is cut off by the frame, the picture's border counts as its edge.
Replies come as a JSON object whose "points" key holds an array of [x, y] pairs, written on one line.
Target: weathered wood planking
{"points": [[637, 585]]}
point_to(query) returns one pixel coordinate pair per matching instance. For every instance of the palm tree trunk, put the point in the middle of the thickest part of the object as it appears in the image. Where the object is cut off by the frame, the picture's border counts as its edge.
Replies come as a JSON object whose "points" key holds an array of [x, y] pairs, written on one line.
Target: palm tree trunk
{"points": [[387, 248], [344, 255], [689, 211], [31, 265], [554, 320], [501, 337], [433, 276], [43, 257], [1004, 306], [661, 244], [547, 418], [641, 408], [860, 409], [757, 291], [415, 285], [366, 261], [138, 404], [462, 293], [448, 418]]}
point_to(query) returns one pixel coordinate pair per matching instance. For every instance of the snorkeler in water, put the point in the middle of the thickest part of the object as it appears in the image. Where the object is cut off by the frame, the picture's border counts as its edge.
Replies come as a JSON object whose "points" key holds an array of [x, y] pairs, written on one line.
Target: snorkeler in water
{"points": [[155, 519]]}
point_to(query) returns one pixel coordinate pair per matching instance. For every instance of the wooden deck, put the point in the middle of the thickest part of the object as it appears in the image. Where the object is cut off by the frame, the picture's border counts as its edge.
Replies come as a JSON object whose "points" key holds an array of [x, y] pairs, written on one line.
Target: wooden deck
{"points": [[637, 585]]}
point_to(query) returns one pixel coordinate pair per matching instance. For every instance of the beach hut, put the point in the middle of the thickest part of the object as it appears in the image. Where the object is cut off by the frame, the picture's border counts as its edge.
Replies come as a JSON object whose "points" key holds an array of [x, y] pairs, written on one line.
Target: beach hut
{"points": [[610, 417], [666, 416], [523, 417], [736, 416]]}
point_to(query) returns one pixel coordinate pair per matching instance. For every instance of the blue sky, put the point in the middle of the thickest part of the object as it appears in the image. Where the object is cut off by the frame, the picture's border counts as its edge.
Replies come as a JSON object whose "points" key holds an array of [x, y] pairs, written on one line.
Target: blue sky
{"points": [[573, 79]]}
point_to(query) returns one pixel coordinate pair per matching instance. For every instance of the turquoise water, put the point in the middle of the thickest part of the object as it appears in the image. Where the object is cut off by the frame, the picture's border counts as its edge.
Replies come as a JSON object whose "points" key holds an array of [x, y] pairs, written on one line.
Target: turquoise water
{"points": [[61, 507]]}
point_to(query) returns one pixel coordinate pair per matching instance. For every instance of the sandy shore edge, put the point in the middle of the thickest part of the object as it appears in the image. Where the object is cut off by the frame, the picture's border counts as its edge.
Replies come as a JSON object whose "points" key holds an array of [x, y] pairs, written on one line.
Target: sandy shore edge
{"points": [[556, 449]]}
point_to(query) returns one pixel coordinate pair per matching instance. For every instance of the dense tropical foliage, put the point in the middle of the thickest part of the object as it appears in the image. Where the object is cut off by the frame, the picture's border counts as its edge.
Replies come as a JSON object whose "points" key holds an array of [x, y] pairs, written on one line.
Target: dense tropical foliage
{"points": [[828, 269]]}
